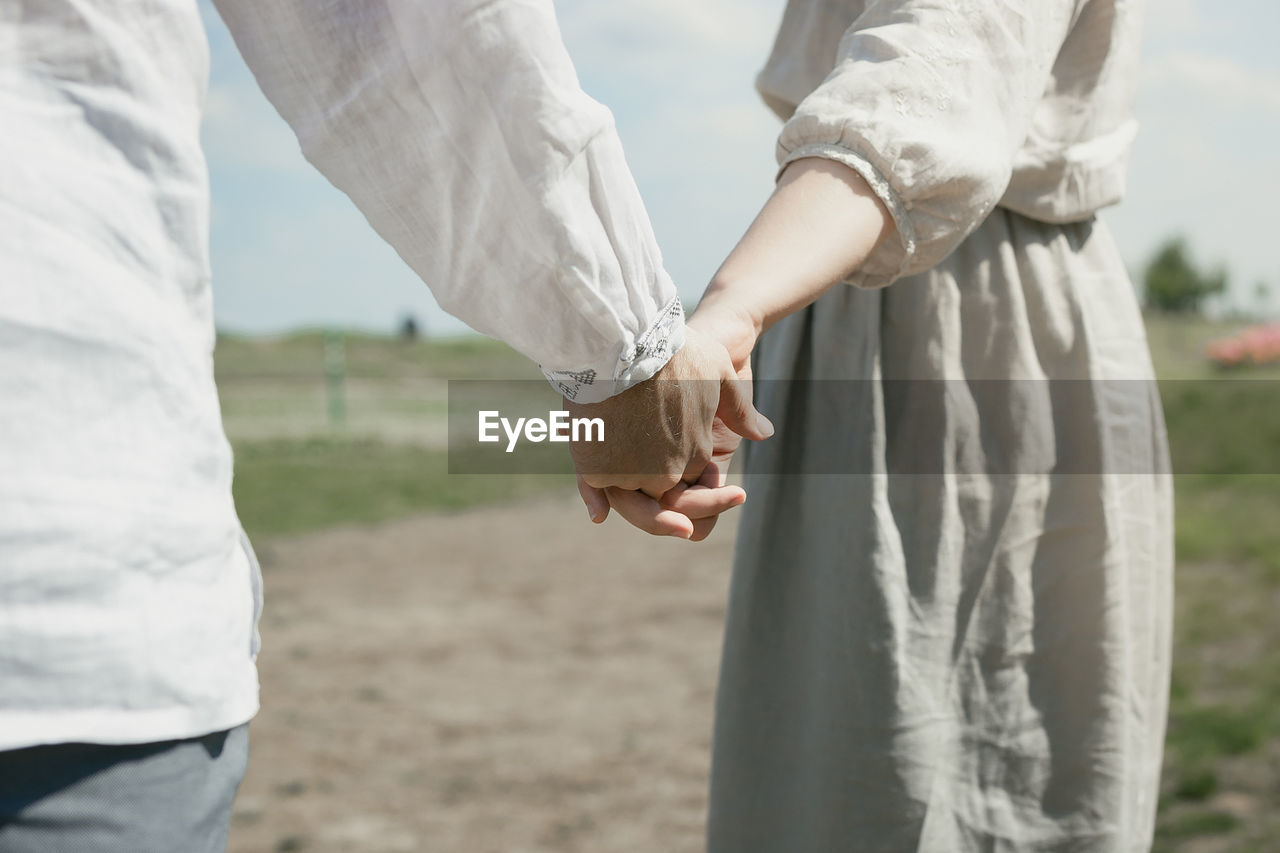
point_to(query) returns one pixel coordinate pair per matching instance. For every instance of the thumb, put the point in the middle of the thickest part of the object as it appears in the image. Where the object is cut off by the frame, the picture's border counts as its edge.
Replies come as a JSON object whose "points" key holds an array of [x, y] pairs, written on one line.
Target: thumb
{"points": [[738, 413]]}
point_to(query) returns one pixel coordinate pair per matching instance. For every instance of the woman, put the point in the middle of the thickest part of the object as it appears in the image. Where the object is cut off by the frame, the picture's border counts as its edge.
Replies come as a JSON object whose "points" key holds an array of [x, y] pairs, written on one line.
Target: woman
{"points": [[948, 628]]}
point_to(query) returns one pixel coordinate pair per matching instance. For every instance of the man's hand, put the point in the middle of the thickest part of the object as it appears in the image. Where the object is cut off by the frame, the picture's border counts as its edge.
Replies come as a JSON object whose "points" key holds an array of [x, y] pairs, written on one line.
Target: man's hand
{"points": [[658, 433], [693, 497]]}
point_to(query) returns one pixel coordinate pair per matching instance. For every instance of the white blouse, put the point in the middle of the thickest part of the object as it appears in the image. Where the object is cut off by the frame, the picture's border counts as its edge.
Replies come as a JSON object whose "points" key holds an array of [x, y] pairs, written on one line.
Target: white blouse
{"points": [[127, 593], [950, 108]]}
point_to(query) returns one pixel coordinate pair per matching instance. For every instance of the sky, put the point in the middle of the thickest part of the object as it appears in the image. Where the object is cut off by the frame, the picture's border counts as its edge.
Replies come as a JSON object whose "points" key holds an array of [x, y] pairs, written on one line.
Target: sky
{"points": [[290, 251]]}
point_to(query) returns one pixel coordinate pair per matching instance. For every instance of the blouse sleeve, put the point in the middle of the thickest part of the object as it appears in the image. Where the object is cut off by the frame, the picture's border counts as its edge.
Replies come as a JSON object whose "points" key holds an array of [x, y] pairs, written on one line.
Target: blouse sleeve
{"points": [[459, 129], [929, 101]]}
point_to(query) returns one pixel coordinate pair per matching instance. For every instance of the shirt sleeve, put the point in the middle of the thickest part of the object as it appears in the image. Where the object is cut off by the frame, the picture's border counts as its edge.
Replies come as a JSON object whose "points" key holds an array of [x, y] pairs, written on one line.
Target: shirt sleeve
{"points": [[459, 129], [930, 101]]}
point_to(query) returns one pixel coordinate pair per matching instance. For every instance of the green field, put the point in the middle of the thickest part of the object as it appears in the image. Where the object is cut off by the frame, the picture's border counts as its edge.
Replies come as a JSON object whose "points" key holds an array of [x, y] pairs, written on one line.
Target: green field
{"points": [[1221, 788], [300, 468]]}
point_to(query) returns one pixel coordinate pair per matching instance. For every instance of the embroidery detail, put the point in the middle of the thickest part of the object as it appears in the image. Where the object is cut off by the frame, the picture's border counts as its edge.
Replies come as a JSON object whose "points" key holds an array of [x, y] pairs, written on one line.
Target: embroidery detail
{"points": [[655, 342], [570, 382]]}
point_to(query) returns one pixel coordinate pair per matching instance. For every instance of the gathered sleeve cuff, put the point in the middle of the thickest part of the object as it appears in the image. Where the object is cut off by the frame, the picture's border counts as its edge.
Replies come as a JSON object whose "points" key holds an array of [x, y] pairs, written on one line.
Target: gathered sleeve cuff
{"points": [[929, 101]]}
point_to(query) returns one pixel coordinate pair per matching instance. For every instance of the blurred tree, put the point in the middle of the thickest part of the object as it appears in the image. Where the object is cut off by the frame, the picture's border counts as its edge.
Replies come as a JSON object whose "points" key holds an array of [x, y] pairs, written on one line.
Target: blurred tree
{"points": [[1262, 296], [1173, 283]]}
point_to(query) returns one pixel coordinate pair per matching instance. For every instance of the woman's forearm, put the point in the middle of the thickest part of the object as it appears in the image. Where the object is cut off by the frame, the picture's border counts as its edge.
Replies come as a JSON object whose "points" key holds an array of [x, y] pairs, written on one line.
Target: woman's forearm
{"points": [[820, 224]]}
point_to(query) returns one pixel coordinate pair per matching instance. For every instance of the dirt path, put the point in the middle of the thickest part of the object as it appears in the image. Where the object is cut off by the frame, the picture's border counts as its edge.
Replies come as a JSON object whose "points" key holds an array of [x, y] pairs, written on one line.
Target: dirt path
{"points": [[500, 680]]}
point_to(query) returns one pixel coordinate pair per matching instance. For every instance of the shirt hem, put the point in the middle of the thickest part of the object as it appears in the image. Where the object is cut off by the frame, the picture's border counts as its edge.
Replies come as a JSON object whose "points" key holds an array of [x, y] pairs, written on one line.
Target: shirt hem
{"points": [[118, 727]]}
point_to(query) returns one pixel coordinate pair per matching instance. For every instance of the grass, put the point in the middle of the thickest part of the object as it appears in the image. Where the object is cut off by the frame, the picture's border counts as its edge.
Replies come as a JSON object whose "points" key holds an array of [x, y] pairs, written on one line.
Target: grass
{"points": [[1225, 426], [1224, 718], [1197, 823], [1231, 519], [286, 486], [1197, 785]]}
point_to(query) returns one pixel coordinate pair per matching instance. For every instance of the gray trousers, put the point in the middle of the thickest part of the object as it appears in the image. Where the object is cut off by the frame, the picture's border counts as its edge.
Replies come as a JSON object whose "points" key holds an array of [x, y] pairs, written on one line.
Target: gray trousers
{"points": [[168, 797]]}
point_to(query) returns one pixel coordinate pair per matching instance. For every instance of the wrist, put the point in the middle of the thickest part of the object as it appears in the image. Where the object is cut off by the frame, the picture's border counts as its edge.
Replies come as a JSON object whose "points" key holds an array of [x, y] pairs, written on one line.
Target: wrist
{"points": [[727, 318]]}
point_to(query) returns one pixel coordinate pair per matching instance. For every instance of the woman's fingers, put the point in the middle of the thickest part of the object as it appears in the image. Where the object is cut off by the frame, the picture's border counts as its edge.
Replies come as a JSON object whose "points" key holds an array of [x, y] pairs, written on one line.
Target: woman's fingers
{"points": [[686, 511], [695, 502], [647, 514], [638, 509]]}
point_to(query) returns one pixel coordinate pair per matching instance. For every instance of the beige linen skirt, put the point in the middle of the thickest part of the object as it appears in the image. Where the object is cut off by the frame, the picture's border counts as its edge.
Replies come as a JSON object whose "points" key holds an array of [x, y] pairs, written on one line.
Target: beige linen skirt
{"points": [[949, 621]]}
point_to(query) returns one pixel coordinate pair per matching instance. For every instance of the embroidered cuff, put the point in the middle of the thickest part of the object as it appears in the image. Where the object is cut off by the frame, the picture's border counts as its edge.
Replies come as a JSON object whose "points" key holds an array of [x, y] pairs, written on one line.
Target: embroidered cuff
{"points": [[638, 361]]}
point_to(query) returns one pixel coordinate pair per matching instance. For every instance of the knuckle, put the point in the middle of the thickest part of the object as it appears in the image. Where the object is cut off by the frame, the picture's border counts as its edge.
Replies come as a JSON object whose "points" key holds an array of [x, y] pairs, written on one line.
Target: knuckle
{"points": [[667, 481], [596, 481]]}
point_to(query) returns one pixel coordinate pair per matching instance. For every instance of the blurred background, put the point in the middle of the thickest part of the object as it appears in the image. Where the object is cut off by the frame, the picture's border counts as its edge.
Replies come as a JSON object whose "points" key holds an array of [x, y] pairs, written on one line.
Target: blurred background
{"points": [[464, 663]]}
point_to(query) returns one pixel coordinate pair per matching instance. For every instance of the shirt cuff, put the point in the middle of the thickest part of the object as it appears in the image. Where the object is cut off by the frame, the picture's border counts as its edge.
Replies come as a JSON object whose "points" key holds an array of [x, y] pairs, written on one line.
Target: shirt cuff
{"points": [[638, 361]]}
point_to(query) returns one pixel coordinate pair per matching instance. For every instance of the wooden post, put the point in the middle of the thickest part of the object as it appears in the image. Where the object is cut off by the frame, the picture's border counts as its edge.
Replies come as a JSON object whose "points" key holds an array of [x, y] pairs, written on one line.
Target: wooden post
{"points": [[335, 372]]}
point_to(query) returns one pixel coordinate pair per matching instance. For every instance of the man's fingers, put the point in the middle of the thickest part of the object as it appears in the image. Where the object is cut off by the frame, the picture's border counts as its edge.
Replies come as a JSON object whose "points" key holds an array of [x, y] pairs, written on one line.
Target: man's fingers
{"points": [[694, 471], [738, 413], [703, 502], [647, 514], [595, 499], [713, 475]]}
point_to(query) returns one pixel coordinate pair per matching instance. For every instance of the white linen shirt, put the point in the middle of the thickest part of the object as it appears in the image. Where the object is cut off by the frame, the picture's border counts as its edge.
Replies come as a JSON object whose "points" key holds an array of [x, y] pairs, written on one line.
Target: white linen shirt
{"points": [[128, 595]]}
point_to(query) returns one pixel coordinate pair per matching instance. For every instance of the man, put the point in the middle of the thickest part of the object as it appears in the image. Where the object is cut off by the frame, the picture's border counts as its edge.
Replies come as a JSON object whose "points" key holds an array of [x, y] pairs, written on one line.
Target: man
{"points": [[128, 594]]}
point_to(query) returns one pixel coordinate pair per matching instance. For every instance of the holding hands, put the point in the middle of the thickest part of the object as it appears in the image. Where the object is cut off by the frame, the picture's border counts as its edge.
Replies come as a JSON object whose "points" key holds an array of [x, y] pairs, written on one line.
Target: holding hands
{"points": [[674, 434]]}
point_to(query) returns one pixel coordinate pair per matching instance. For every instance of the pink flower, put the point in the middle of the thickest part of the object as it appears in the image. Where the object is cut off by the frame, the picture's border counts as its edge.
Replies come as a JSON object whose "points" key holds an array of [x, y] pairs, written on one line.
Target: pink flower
{"points": [[1255, 345]]}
